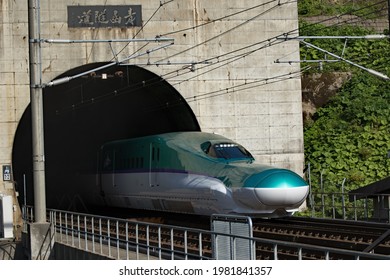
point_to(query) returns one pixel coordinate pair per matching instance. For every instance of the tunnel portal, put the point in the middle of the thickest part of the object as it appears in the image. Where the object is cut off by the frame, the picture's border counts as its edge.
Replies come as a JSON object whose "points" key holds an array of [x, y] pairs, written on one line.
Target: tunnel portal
{"points": [[118, 102]]}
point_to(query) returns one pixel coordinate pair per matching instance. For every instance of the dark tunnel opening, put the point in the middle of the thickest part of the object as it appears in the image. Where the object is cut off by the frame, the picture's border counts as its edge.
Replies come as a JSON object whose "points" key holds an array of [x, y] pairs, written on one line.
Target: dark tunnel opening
{"points": [[119, 102]]}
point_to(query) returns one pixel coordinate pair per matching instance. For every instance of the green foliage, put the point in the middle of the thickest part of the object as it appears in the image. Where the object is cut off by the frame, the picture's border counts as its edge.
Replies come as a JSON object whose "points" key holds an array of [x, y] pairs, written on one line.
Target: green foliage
{"points": [[350, 137], [337, 7], [372, 54], [348, 140]]}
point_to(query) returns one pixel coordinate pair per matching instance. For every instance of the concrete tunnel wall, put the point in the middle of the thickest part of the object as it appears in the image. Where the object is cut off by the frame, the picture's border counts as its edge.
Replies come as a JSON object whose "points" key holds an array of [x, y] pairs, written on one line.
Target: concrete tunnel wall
{"points": [[237, 38]]}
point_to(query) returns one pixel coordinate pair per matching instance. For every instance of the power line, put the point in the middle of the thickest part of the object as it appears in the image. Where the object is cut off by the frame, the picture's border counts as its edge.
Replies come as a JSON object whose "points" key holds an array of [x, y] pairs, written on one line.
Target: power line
{"points": [[154, 81], [143, 26], [321, 27], [346, 21], [229, 30], [222, 62], [270, 42], [247, 85], [96, 35], [219, 19], [218, 58]]}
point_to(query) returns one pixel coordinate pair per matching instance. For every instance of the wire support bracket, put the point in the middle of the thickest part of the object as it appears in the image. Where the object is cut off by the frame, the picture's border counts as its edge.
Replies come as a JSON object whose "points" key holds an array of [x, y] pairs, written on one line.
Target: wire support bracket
{"points": [[340, 58]]}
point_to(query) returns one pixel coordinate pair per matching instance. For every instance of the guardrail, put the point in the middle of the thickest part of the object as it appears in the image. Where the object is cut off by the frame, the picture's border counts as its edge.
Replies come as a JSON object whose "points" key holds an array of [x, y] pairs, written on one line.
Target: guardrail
{"points": [[123, 239]]}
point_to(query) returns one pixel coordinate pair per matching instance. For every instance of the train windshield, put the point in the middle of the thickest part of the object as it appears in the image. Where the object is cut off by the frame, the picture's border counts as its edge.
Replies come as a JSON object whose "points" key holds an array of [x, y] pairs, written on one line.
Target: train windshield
{"points": [[226, 151]]}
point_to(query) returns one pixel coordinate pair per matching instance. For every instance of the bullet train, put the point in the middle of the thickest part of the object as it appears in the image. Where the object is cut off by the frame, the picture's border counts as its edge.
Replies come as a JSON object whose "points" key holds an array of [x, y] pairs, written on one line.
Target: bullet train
{"points": [[191, 172]]}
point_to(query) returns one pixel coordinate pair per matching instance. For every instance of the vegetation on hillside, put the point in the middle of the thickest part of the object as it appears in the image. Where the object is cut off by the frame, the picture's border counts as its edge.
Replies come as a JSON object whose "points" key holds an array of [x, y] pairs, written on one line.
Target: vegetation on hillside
{"points": [[349, 138], [362, 8]]}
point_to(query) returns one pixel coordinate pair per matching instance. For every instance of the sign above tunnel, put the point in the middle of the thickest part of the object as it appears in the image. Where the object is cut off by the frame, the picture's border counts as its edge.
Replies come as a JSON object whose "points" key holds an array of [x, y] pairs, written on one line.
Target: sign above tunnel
{"points": [[122, 16]]}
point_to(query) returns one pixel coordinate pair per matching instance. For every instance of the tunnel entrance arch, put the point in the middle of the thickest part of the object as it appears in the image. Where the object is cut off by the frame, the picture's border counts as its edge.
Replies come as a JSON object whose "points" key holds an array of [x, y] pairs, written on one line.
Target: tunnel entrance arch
{"points": [[119, 102]]}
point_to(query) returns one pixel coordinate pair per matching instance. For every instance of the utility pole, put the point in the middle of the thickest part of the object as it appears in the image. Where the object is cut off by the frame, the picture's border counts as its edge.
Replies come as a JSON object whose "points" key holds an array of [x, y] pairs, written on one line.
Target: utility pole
{"points": [[39, 231], [36, 97]]}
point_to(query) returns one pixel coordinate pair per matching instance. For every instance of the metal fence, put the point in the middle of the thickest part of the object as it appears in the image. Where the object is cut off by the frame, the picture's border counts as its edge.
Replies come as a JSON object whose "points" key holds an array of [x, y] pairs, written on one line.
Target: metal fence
{"points": [[344, 205], [357, 207], [124, 239]]}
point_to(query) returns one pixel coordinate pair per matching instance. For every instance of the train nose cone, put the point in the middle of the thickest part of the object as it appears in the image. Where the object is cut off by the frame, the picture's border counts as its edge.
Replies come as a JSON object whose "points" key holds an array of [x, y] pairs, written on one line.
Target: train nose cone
{"points": [[279, 187]]}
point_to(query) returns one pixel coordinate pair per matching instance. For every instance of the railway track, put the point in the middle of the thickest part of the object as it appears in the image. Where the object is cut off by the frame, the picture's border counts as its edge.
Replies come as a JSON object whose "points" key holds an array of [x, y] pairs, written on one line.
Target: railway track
{"points": [[337, 234]]}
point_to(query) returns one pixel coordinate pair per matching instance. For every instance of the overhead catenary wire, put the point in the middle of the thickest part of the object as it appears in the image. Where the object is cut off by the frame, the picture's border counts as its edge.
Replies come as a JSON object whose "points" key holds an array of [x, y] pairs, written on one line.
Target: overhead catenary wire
{"points": [[205, 61], [290, 32], [336, 18], [224, 59], [248, 85], [142, 28], [135, 87], [227, 31], [96, 35], [340, 58], [295, 31], [68, 78], [243, 55], [219, 19], [161, 4], [266, 43], [371, 71], [251, 8], [202, 24]]}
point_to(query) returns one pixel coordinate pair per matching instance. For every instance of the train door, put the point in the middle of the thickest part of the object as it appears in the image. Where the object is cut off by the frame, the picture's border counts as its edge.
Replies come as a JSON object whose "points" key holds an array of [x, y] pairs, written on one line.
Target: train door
{"points": [[108, 161], [154, 164]]}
